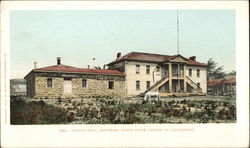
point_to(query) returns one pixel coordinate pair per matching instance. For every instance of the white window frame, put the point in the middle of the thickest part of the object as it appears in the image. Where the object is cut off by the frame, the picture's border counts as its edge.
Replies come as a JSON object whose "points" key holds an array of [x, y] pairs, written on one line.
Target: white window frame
{"points": [[137, 69], [198, 73], [147, 69], [190, 74], [137, 88]]}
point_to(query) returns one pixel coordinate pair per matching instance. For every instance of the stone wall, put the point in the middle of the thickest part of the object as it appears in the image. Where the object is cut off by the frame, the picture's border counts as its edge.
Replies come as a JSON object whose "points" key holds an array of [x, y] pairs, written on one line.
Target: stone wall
{"points": [[30, 85], [42, 90], [95, 87]]}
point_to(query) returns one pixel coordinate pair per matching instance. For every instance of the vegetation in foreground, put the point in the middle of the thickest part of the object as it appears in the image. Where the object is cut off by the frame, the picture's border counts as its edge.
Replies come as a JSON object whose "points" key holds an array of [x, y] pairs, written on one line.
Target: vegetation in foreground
{"points": [[110, 111], [23, 112]]}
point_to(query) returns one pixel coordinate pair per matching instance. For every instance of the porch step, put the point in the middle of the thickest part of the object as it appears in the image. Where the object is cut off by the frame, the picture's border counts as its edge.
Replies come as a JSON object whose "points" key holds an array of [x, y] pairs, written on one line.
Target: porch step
{"points": [[193, 84], [157, 84]]}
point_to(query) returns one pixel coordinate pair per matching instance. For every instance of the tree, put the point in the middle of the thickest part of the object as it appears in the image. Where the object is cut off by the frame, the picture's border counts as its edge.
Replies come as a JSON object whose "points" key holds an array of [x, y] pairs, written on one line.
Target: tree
{"points": [[233, 72], [214, 72]]}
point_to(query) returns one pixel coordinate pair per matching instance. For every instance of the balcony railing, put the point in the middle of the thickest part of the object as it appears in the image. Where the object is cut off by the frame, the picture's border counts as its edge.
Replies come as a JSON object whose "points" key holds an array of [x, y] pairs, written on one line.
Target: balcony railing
{"points": [[174, 74]]}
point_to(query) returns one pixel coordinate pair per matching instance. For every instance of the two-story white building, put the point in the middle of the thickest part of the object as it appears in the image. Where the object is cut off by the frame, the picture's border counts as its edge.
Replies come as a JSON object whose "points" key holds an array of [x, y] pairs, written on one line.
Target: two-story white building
{"points": [[167, 74]]}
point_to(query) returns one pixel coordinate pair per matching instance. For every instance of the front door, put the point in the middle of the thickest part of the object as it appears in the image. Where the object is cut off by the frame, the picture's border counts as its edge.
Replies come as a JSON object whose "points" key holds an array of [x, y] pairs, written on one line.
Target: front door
{"points": [[67, 86]]}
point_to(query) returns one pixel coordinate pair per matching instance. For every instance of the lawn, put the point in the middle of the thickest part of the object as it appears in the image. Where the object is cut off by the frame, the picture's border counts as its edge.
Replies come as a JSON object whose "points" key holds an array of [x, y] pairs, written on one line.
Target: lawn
{"points": [[206, 109]]}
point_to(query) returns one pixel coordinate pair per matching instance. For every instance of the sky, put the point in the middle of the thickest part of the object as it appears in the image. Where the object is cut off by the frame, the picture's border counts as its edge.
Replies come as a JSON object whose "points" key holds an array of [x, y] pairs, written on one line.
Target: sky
{"points": [[79, 36]]}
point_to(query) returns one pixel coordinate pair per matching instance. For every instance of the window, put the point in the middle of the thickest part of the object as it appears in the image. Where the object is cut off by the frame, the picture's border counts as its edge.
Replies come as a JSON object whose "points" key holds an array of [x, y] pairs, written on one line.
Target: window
{"points": [[190, 72], [157, 69], [148, 84], [84, 83], [147, 69], [49, 82], [111, 84], [198, 72], [199, 85], [137, 69], [137, 85]]}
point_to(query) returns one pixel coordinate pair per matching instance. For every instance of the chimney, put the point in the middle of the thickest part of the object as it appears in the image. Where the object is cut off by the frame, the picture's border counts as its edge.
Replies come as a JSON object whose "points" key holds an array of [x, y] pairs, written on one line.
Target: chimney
{"points": [[118, 55], [104, 66], [88, 66], [193, 58], [58, 60], [35, 65]]}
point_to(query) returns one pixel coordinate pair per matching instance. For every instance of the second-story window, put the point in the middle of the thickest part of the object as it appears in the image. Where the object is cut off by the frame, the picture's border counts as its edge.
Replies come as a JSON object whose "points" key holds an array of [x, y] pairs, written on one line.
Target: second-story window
{"points": [[157, 69], [198, 72], [137, 69], [147, 69], [190, 72]]}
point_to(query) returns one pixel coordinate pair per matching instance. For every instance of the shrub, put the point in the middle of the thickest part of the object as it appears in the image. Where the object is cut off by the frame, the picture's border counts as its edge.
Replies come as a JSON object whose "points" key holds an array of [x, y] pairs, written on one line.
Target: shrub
{"points": [[36, 113]]}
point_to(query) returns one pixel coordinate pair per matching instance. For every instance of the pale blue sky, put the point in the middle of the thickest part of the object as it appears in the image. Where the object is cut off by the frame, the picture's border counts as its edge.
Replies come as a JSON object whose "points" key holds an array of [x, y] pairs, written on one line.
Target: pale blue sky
{"points": [[79, 36]]}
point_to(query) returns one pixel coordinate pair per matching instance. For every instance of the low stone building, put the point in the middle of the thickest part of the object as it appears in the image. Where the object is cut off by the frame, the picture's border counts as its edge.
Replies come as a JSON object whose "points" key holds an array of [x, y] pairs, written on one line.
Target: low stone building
{"points": [[71, 82]]}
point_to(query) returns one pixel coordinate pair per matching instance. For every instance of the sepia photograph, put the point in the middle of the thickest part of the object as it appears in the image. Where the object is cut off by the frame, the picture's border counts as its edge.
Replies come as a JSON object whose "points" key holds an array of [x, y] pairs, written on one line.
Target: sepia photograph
{"points": [[128, 74]]}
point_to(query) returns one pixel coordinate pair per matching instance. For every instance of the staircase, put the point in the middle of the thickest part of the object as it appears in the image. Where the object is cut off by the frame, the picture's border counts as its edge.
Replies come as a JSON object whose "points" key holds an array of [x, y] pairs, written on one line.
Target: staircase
{"points": [[157, 84], [194, 85]]}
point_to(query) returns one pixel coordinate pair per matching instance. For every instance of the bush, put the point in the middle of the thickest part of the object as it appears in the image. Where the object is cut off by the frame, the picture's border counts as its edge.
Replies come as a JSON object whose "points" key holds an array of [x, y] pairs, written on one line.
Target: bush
{"points": [[36, 113], [109, 111]]}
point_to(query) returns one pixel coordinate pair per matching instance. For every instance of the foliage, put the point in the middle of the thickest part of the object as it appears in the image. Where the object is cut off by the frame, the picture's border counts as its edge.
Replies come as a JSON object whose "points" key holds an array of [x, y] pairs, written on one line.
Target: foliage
{"points": [[184, 111], [36, 113], [232, 73], [214, 72], [110, 111]]}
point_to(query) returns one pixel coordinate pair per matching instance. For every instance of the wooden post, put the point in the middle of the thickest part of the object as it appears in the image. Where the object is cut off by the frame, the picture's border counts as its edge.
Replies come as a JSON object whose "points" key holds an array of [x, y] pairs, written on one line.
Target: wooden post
{"points": [[184, 75], [170, 77]]}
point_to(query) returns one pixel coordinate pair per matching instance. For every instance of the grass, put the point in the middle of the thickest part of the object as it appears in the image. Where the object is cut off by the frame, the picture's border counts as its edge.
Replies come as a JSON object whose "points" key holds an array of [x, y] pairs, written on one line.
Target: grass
{"points": [[109, 111]]}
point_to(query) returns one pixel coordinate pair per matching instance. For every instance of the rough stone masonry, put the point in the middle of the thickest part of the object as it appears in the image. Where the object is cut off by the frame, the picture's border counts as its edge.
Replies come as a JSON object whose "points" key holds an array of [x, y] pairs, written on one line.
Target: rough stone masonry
{"points": [[97, 85]]}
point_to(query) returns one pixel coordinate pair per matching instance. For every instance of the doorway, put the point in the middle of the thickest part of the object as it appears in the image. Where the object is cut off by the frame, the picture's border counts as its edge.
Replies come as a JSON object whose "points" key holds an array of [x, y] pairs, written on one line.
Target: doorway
{"points": [[67, 86]]}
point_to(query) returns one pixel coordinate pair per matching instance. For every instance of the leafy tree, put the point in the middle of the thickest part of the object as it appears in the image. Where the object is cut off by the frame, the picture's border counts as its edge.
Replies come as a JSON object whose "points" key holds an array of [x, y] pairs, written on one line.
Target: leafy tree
{"points": [[214, 72]]}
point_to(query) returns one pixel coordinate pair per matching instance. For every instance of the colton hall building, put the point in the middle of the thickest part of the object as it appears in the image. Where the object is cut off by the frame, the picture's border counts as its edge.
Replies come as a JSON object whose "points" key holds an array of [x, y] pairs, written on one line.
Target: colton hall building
{"points": [[132, 74]]}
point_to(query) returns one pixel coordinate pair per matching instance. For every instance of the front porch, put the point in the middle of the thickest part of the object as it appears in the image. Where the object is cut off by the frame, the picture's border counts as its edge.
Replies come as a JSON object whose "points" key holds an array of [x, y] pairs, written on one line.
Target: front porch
{"points": [[174, 80]]}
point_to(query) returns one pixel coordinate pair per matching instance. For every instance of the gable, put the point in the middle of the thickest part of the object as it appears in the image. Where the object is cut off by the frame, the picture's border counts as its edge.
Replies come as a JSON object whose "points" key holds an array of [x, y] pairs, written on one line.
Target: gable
{"points": [[179, 59]]}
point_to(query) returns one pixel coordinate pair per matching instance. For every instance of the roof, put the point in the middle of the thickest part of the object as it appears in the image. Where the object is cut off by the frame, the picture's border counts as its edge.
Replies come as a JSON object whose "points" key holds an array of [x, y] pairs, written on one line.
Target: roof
{"points": [[152, 58], [230, 79], [71, 69], [226, 80], [215, 82], [195, 63]]}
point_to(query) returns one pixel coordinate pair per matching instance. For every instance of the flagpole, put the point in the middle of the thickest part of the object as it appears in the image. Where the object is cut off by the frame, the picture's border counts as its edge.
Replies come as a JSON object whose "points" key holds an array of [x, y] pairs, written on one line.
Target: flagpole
{"points": [[178, 51], [178, 32]]}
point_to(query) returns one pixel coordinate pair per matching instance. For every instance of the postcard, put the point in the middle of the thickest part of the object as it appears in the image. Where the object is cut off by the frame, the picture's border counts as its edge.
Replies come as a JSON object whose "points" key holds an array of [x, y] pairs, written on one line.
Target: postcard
{"points": [[124, 74]]}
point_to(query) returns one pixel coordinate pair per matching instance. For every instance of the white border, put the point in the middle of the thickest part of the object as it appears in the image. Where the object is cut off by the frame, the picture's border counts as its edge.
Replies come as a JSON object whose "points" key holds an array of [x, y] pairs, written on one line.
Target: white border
{"points": [[198, 135]]}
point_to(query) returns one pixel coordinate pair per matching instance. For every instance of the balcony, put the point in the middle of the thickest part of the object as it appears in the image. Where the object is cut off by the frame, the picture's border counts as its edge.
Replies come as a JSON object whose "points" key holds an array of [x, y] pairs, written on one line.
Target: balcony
{"points": [[176, 75]]}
